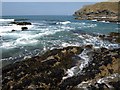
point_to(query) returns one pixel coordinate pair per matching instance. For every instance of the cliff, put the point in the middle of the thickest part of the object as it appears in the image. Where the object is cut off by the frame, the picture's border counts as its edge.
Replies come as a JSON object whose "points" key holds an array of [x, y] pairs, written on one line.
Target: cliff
{"points": [[107, 11]]}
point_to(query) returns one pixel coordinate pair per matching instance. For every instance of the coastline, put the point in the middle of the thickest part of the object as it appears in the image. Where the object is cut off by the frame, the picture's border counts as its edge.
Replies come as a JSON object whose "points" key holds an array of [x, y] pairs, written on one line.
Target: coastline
{"points": [[50, 69], [102, 11], [64, 68], [100, 19], [69, 66], [61, 52]]}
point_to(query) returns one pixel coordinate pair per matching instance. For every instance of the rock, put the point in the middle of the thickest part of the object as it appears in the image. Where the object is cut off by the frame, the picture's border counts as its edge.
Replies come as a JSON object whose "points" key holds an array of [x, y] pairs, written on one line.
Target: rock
{"points": [[21, 23], [116, 85], [89, 46], [24, 28], [44, 71], [13, 30], [47, 71], [102, 36], [113, 37], [103, 11]]}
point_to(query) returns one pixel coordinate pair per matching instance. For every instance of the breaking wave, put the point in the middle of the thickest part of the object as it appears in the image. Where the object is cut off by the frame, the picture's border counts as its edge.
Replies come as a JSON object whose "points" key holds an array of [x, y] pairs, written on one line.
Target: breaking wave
{"points": [[6, 20]]}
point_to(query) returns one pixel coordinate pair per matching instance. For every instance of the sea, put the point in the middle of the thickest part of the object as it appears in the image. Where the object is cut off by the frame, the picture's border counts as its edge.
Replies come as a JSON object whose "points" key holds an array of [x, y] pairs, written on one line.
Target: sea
{"points": [[48, 32]]}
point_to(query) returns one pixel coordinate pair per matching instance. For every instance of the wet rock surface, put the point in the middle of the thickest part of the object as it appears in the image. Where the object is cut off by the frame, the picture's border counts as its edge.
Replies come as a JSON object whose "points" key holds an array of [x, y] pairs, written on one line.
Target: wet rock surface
{"points": [[47, 71], [113, 37]]}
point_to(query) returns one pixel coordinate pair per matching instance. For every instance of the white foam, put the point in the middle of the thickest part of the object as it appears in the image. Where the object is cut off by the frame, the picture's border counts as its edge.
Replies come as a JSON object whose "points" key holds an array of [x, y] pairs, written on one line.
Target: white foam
{"points": [[71, 72], [111, 46], [85, 58], [85, 25], [23, 41], [64, 44], [97, 42], [26, 38], [80, 36], [64, 23], [13, 27], [18, 42], [67, 28], [94, 20], [7, 45], [108, 78], [77, 69], [6, 20]]}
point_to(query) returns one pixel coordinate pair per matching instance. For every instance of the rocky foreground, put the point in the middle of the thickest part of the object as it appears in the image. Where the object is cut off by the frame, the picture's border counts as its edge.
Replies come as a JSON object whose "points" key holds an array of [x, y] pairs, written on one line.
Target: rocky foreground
{"points": [[49, 70]]}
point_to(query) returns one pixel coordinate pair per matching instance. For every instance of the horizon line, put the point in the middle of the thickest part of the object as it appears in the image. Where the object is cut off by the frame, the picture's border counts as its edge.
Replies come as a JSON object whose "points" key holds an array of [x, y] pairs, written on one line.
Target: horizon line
{"points": [[41, 15]]}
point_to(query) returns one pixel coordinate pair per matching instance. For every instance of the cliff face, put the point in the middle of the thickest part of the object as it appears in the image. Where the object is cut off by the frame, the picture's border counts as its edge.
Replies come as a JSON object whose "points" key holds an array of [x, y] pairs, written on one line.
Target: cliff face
{"points": [[107, 11]]}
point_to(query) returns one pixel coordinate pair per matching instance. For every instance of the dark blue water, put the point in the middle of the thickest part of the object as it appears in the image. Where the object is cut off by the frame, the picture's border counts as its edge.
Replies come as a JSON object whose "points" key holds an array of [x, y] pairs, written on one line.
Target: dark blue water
{"points": [[101, 27]]}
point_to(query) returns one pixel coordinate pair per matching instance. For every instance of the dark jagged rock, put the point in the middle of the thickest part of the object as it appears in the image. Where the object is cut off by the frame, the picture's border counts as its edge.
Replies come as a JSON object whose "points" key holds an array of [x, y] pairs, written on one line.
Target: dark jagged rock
{"points": [[47, 71], [40, 71], [112, 37], [13, 30], [21, 23], [116, 85], [24, 28]]}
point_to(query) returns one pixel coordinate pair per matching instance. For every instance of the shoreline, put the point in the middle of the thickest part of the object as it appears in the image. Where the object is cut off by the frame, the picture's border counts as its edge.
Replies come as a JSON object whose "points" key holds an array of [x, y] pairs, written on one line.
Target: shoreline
{"points": [[56, 63], [99, 20], [67, 67], [112, 38], [101, 11], [60, 52]]}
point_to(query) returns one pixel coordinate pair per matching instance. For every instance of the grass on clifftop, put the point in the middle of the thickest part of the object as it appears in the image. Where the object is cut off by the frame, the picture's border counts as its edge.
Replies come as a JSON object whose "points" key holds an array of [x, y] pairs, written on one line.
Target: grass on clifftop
{"points": [[111, 6]]}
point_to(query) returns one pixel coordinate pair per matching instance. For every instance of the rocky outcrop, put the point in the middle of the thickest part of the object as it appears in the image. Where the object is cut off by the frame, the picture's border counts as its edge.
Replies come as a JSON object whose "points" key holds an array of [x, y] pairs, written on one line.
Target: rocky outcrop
{"points": [[104, 11], [47, 71], [113, 37], [44, 71], [21, 23]]}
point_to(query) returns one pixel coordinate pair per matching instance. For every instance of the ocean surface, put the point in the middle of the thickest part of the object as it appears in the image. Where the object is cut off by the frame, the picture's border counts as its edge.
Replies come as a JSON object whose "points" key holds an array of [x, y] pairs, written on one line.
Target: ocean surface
{"points": [[49, 32]]}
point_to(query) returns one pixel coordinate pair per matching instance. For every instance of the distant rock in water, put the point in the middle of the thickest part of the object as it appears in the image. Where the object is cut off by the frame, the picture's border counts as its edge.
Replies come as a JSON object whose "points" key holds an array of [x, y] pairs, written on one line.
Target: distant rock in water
{"points": [[104, 11], [21, 23], [24, 28]]}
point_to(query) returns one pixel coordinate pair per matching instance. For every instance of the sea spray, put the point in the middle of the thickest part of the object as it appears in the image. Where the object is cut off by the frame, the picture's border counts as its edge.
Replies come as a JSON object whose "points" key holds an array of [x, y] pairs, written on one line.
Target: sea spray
{"points": [[84, 60], [45, 33]]}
